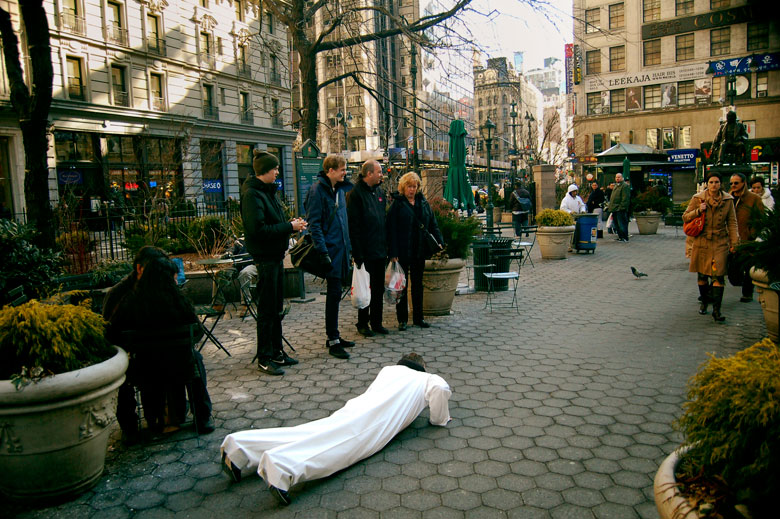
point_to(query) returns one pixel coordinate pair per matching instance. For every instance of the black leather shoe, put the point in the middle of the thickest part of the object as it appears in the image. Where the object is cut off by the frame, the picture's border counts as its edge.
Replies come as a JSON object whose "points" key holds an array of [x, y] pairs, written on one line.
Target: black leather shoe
{"points": [[365, 331], [345, 343], [422, 324], [284, 360], [380, 330], [338, 351], [207, 426], [402, 326]]}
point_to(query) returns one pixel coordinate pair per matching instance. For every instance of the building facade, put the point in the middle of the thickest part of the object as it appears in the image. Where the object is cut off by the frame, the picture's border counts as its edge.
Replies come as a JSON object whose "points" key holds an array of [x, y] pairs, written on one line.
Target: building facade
{"points": [[152, 98], [663, 73]]}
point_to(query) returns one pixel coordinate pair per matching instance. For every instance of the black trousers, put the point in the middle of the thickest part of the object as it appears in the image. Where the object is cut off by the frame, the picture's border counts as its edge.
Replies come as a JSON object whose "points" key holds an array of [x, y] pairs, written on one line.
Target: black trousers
{"points": [[413, 267], [373, 312], [332, 302], [269, 296]]}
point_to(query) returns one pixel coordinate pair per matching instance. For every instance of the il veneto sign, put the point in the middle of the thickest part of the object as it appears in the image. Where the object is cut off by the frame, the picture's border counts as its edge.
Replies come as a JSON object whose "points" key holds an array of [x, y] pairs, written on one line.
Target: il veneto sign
{"points": [[651, 77], [746, 13]]}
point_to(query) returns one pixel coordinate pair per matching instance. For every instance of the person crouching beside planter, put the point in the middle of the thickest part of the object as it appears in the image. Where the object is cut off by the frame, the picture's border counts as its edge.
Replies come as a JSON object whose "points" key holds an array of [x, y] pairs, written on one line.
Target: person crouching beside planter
{"points": [[710, 248]]}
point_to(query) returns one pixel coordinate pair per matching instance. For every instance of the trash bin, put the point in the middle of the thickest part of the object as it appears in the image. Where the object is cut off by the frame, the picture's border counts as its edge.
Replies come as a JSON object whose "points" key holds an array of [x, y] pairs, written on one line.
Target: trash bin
{"points": [[485, 252], [585, 231]]}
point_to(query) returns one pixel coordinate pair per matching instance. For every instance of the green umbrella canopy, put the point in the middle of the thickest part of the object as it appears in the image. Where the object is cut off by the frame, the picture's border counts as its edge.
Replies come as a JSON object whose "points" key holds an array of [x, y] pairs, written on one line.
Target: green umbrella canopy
{"points": [[626, 169], [458, 188]]}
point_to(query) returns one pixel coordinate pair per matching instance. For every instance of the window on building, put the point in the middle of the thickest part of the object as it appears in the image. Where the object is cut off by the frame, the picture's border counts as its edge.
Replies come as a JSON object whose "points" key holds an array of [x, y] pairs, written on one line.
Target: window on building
{"points": [[614, 139], [210, 110], [651, 10], [758, 36], [115, 29], [593, 62], [204, 3], [269, 20], [762, 84], [617, 18], [720, 41], [119, 86], [238, 5], [276, 117], [222, 95], [651, 138], [594, 103], [684, 137], [154, 43], [683, 47], [668, 139], [617, 58], [71, 18], [245, 107], [592, 20], [205, 43], [157, 91], [683, 7], [598, 142], [685, 93], [75, 79], [719, 4], [617, 101], [651, 52], [652, 96]]}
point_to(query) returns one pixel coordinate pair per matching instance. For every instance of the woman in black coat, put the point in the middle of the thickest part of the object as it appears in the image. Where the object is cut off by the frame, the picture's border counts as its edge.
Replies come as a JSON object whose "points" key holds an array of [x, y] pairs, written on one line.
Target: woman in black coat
{"points": [[408, 223]]}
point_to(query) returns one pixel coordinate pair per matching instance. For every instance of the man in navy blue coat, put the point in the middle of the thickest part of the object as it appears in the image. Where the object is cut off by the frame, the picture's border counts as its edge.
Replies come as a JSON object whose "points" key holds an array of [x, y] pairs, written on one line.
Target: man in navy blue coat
{"points": [[326, 213]]}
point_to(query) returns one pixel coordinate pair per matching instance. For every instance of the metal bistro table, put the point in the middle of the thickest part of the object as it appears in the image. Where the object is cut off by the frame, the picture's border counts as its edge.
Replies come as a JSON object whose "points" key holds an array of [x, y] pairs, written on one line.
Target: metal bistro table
{"points": [[216, 309]]}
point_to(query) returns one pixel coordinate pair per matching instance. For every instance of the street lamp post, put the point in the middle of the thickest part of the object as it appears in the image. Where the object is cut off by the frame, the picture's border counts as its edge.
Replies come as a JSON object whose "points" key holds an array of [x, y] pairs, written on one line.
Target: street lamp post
{"points": [[413, 73], [339, 118], [513, 115], [487, 135]]}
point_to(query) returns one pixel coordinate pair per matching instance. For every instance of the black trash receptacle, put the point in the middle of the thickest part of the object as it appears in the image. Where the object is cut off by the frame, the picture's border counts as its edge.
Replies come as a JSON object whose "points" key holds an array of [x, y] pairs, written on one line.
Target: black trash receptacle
{"points": [[487, 252]]}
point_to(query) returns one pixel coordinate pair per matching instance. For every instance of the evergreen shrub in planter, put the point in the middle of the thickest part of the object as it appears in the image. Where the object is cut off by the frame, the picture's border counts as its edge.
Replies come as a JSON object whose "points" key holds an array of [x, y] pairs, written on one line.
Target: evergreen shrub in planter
{"points": [[554, 233]]}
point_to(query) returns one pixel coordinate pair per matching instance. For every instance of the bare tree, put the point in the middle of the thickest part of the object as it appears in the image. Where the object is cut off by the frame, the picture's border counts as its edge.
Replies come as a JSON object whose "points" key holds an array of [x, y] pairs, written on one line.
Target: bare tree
{"points": [[32, 106]]}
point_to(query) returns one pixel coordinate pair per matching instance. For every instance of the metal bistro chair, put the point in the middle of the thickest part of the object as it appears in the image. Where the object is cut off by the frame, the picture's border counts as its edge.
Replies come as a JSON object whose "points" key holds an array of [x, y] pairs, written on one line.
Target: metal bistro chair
{"points": [[500, 257], [527, 242], [247, 295]]}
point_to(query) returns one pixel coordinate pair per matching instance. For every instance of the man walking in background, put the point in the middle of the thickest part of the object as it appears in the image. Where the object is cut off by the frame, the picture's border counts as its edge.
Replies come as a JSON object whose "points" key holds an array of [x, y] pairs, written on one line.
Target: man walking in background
{"points": [[745, 202], [618, 206], [366, 205]]}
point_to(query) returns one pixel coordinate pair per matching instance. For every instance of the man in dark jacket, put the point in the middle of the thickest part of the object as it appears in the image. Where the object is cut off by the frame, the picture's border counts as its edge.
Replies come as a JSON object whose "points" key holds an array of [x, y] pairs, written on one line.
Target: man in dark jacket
{"points": [[366, 214], [594, 203], [618, 206], [745, 203], [267, 233], [520, 204], [326, 211]]}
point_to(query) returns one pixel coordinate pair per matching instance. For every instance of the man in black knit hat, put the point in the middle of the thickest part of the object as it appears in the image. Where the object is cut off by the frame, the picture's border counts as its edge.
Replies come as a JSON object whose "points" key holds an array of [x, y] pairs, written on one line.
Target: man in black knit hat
{"points": [[267, 232]]}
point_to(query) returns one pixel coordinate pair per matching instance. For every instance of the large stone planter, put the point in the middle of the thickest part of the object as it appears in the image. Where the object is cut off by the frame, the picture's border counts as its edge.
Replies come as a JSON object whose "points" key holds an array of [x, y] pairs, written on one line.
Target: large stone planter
{"points": [[554, 242], [54, 433], [648, 223], [668, 500], [440, 280], [769, 301]]}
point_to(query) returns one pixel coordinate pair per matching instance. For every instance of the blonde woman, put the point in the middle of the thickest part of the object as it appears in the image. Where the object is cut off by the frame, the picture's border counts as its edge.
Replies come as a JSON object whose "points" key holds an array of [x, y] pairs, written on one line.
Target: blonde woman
{"points": [[408, 222]]}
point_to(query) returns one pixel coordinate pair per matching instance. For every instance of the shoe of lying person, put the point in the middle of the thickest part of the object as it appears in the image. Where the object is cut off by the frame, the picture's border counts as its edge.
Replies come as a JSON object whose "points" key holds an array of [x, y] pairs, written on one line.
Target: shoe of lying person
{"points": [[229, 468], [282, 496]]}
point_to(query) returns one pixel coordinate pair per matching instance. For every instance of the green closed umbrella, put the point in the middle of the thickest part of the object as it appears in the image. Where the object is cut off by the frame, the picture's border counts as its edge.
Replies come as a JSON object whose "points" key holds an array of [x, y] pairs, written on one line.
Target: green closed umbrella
{"points": [[626, 169], [458, 188]]}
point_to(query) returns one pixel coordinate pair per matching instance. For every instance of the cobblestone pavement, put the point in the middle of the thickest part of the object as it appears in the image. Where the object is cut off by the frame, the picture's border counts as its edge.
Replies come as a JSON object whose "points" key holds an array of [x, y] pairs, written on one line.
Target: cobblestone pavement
{"points": [[563, 410]]}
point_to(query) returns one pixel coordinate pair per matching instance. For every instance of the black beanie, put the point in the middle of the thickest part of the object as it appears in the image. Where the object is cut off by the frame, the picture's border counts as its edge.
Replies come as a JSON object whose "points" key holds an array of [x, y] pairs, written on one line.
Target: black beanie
{"points": [[263, 162]]}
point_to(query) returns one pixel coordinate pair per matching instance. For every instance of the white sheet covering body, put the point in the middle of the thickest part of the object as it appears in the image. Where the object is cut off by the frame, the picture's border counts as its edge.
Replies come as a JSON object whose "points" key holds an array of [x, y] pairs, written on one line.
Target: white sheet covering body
{"points": [[286, 456]]}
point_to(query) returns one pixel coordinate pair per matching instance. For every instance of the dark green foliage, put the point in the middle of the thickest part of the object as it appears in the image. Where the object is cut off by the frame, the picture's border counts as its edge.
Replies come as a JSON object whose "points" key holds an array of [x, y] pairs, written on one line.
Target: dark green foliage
{"points": [[38, 339], [23, 263], [764, 253], [651, 200], [732, 422], [109, 273], [458, 232]]}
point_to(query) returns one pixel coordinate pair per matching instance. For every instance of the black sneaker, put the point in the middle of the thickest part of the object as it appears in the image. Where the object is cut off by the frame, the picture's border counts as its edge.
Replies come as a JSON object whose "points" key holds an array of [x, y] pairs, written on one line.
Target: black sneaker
{"points": [[229, 468], [345, 343], [337, 351], [269, 367], [380, 330], [422, 323], [364, 331], [282, 496], [284, 360]]}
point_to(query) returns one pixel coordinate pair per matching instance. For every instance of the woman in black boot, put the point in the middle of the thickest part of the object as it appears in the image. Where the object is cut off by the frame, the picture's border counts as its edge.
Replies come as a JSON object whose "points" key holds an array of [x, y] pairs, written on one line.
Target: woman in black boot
{"points": [[711, 247]]}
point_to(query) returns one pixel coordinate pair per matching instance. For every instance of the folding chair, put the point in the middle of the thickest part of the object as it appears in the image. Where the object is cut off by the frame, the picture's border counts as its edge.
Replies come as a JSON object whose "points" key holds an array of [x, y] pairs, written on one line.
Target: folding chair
{"points": [[527, 243], [498, 258]]}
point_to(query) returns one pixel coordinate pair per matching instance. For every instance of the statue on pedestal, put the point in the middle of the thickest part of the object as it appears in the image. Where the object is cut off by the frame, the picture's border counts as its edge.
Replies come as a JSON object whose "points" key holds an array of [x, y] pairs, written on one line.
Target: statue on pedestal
{"points": [[730, 142]]}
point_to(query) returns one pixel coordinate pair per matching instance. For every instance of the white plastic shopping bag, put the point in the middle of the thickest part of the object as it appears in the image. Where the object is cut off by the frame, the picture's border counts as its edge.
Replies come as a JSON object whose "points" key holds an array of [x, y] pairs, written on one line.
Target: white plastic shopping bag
{"points": [[361, 287], [395, 282]]}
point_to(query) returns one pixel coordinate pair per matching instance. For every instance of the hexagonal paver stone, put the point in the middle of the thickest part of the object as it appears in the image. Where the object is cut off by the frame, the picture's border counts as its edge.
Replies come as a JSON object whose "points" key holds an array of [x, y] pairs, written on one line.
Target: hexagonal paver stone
{"points": [[183, 501], [400, 484], [436, 456], [439, 483], [461, 499], [542, 498], [592, 480], [117, 512], [421, 500], [340, 501], [491, 468], [623, 495], [455, 469], [583, 497], [515, 482], [382, 469], [569, 511], [380, 500], [615, 511], [358, 513], [144, 500], [442, 512], [554, 481], [477, 483], [528, 512], [418, 469], [502, 499]]}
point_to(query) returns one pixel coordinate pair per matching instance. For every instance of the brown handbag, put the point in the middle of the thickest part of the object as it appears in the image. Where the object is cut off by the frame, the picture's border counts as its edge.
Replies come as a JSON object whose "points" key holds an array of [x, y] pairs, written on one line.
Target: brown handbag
{"points": [[694, 227]]}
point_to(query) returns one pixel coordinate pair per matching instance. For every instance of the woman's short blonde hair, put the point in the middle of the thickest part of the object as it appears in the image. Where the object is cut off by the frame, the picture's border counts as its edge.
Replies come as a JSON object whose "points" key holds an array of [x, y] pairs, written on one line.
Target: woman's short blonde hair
{"points": [[408, 179]]}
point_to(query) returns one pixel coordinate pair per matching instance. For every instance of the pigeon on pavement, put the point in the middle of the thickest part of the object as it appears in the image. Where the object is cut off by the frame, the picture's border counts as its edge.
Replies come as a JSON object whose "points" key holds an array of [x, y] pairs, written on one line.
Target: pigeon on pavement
{"points": [[637, 274]]}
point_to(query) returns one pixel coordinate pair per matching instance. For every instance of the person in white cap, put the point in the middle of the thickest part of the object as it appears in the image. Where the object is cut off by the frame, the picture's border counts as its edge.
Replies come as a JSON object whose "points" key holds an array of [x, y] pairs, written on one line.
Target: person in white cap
{"points": [[285, 456], [572, 202]]}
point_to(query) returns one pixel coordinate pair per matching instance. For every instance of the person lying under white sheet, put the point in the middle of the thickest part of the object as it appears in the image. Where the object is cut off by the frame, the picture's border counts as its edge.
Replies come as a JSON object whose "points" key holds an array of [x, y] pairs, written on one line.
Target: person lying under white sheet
{"points": [[285, 456]]}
